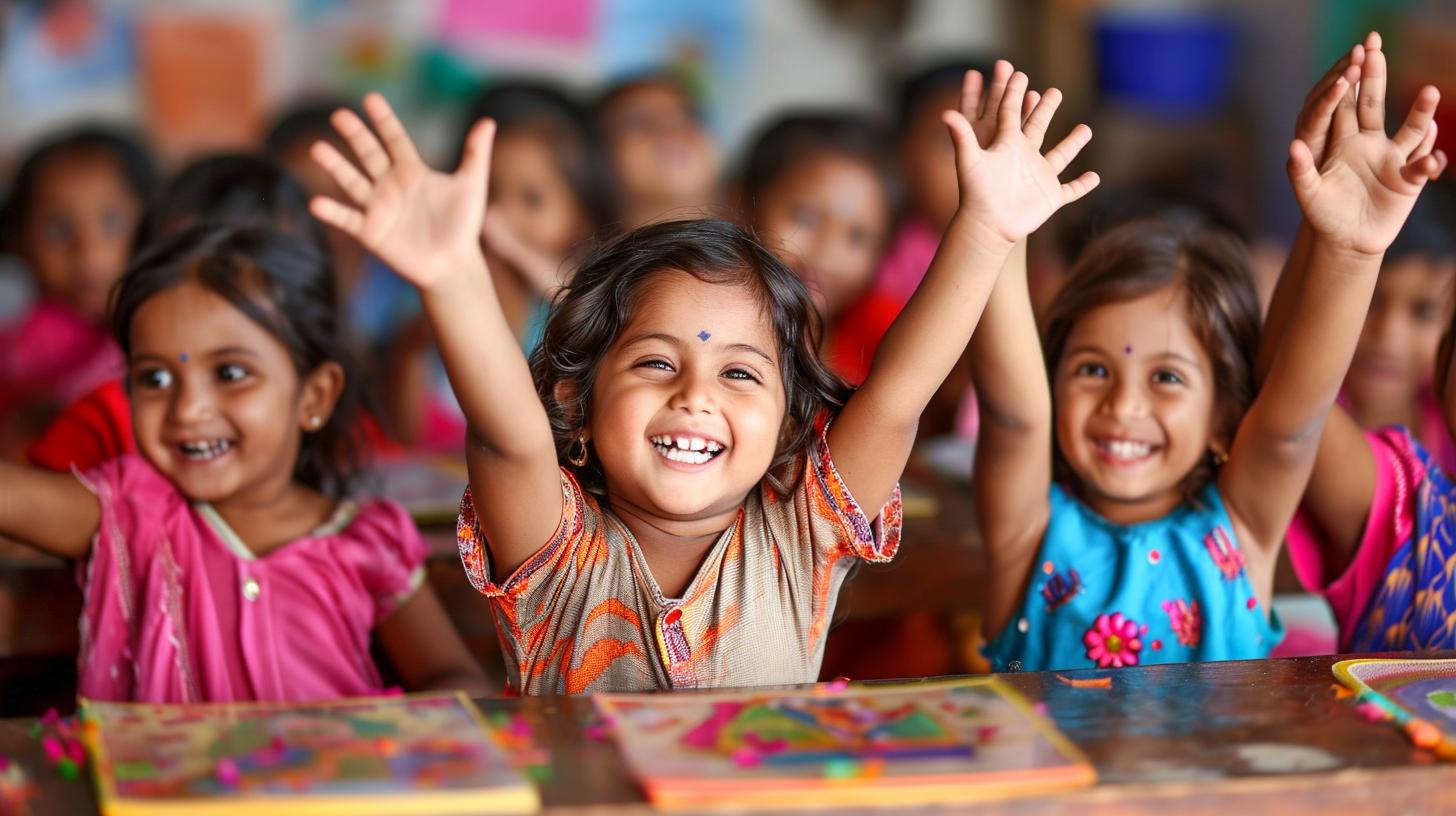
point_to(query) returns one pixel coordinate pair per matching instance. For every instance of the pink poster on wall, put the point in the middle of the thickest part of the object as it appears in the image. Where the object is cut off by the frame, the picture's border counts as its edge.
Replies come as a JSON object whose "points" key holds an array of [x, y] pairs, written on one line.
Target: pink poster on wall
{"points": [[561, 21]]}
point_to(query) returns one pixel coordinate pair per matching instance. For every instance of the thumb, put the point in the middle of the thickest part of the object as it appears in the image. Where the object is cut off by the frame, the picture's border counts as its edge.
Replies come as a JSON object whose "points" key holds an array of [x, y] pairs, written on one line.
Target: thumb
{"points": [[1302, 173], [475, 159], [963, 136]]}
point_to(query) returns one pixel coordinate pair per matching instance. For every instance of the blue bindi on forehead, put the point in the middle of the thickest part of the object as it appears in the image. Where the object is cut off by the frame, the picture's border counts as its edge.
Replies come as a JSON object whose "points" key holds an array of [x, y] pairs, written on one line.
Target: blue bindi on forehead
{"points": [[182, 357], [1127, 349], [703, 335]]}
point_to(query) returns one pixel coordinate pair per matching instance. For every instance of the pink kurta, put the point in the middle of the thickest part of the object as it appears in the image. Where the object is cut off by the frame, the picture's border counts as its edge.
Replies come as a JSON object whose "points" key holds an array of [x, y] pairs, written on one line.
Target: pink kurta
{"points": [[177, 608]]}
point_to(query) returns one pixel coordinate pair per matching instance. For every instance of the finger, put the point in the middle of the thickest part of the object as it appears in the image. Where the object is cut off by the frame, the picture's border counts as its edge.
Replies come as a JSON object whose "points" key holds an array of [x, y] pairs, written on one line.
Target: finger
{"points": [[1372, 41], [971, 94], [1315, 122], [962, 136], [1408, 137], [1009, 117], [1427, 142], [1302, 173], [342, 171], [1067, 149], [361, 140], [475, 158], [1000, 75], [1080, 186], [1041, 118], [1440, 163], [391, 130], [1345, 122], [1033, 98], [1370, 104], [1342, 68], [1421, 170], [331, 212]]}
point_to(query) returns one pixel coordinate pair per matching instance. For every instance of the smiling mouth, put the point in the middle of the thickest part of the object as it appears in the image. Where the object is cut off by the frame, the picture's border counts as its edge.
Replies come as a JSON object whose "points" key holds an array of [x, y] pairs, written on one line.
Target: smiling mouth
{"points": [[204, 451], [688, 450], [1124, 451]]}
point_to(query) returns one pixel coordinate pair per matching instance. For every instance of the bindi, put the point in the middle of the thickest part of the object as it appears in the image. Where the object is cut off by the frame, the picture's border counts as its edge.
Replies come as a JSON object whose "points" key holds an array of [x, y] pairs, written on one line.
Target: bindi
{"points": [[1127, 349], [704, 335], [182, 357]]}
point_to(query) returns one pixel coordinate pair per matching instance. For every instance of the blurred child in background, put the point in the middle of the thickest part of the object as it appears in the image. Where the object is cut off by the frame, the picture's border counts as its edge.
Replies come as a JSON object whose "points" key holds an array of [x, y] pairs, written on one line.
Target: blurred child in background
{"points": [[662, 159], [69, 218], [817, 190]]}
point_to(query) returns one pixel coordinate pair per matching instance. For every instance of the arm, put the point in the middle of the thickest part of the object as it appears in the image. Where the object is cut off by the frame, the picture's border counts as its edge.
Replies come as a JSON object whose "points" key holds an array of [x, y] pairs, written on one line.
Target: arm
{"points": [[426, 650], [52, 512], [1007, 190], [426, 225], [1355, 203]]}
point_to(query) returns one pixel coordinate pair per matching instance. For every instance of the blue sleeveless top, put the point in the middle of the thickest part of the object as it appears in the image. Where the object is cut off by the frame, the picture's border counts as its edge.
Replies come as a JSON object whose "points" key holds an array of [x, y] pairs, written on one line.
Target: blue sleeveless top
{"points": [[1170, 590]]}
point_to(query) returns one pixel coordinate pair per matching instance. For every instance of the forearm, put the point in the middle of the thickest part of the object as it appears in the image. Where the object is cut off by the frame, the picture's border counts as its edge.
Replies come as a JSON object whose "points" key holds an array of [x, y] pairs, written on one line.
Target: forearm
{"points": [[50, 511], [1005, 356], [483, 360]]}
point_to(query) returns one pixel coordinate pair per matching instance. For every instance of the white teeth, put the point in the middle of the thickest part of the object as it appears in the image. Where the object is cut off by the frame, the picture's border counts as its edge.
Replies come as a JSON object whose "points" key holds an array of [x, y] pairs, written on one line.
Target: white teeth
{"points": [[688, 457], [203, 451], [693, 450], [714, 447], [1121, 449]]}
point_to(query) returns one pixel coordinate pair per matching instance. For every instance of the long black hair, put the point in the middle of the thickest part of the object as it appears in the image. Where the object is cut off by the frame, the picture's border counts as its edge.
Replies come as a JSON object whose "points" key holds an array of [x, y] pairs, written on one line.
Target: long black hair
{"points": [[283, 283], [591, 313]]}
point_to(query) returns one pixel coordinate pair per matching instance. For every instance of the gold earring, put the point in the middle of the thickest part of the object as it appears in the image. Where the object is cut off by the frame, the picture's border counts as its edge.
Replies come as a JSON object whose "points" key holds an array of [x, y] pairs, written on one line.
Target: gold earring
{"points": [[1219, 458], [576, 452]]}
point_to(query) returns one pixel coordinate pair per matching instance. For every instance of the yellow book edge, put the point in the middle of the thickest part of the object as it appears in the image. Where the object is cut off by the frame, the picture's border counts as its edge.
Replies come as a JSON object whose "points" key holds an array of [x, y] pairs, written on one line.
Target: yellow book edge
{"points": [[520, 799]]}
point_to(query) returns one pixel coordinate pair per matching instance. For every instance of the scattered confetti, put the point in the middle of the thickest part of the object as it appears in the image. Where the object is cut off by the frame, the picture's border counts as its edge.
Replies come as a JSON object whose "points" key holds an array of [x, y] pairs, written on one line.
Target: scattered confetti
{"points": [[841, 769], [1372, 712], [747, 758], [228, 773], [1423, 733], [1087, 682], [837, 685]]}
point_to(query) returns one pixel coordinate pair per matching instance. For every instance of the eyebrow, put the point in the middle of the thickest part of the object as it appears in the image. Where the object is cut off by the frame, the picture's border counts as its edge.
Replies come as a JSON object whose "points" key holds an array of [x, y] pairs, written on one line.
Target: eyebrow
{"points": [[677, 343], [1176, 355]]}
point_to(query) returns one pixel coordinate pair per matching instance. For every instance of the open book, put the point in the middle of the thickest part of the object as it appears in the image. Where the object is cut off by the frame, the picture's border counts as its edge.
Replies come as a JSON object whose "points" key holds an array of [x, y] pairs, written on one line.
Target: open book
{"points": [[425, 753], [900, 744]]}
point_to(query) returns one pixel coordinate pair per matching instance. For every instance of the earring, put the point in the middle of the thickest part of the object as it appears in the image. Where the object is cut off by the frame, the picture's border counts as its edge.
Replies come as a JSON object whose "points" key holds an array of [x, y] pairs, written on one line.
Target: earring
{"points": [[315, 422], [1219, 458], [576, 451]]}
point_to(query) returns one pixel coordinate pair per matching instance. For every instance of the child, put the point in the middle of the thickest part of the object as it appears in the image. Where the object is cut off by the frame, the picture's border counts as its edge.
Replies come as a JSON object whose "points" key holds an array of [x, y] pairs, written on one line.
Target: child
{"points": [[223, 564], [1153, 538], [226, 189], [69, 217], [1390, 378], [668, 513], [1374, 529], [662, 159], [817, 192]]}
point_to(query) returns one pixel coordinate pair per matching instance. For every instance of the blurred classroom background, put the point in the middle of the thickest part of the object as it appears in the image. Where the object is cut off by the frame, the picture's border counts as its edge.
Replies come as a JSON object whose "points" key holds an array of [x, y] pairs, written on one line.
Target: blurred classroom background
{"points": [[1195, 97]]}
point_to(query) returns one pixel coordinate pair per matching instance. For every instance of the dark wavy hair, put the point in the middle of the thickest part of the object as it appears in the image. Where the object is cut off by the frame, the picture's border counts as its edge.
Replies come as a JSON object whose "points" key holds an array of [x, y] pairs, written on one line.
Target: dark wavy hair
{"points": [[1212, 269], [590, 314], [283, 283], [799, 136]]}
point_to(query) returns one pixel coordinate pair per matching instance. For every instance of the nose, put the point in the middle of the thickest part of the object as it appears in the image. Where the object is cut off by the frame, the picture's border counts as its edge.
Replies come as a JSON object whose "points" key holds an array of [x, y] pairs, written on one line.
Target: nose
{"points": [[694, 392], [191, 401], [1125, 399]]}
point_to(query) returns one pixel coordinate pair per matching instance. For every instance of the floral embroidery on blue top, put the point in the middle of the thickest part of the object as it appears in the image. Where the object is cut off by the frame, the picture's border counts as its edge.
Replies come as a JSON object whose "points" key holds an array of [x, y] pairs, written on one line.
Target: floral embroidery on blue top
{"points": [[1170, 590]]}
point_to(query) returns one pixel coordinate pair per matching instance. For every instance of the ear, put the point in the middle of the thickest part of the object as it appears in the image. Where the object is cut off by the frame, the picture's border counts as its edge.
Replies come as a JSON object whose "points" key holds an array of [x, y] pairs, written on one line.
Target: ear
{"points": [[564, 393], [318, 394]]}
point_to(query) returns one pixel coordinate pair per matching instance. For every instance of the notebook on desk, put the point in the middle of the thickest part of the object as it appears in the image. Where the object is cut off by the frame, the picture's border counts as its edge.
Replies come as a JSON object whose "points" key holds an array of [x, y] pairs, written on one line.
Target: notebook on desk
{"points": [[941, 741], [426, 753]]}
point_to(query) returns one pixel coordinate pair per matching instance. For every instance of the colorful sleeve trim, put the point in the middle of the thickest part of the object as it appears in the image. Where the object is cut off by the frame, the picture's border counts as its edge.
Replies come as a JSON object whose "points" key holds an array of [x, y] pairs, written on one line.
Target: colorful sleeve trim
{"points": [[475, 556], [872, 541]]}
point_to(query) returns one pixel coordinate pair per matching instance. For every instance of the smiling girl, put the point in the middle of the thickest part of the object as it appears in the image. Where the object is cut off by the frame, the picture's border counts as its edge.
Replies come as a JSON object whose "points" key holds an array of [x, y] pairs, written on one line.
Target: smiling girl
{"points": [[677, 499], [1134, 491]]}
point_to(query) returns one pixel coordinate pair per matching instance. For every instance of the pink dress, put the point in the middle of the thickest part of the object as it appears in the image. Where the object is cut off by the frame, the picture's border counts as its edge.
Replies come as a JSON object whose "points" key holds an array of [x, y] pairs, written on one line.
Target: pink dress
{"points": [[178, 610], [54, 354]]}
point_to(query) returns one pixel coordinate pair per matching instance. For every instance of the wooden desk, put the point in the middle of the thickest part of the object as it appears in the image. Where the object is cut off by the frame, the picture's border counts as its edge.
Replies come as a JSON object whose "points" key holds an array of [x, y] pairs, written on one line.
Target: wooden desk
{"points": [[1252, 736]]}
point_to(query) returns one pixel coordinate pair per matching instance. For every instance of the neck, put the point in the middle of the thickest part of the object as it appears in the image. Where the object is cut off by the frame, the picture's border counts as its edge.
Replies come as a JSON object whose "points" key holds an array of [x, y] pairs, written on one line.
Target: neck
{"points": [[270, 517], [1133, 511], [1378, 413], [674, 548]]}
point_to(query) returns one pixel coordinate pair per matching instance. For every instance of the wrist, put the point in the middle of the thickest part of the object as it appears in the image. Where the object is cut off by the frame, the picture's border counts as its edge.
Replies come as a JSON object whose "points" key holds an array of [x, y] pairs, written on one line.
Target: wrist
{"points": [[980, 234], [1345, 250]]}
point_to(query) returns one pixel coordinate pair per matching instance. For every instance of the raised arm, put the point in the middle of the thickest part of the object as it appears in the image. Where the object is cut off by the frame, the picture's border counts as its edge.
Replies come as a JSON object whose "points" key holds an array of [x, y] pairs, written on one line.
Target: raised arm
{"points": [[426, 226], [1355, 203], [50, 511], [1007, 189]]}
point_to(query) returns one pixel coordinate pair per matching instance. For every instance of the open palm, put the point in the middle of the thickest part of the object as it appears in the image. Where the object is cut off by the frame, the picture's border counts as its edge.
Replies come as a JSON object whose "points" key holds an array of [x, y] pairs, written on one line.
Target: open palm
{"points": [[420, 221], [1005, 181], [1363, 190]]}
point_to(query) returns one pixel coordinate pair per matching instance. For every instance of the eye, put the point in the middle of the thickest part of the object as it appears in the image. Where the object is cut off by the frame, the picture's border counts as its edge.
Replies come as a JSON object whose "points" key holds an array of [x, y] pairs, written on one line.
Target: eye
{"points": [[533, 198], [114, 222], [1166, 377], [657, 363], [1091, 370], [60, 231], [804, 216], [1426, 311], [231, 372], [738, 373], [154, 379]]}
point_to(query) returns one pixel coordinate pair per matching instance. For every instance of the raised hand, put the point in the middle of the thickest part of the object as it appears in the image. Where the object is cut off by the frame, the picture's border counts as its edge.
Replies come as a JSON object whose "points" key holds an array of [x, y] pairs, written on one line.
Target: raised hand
{"points": [[1361, 193], [424, 223], [1006, 185], [1335, 88]]}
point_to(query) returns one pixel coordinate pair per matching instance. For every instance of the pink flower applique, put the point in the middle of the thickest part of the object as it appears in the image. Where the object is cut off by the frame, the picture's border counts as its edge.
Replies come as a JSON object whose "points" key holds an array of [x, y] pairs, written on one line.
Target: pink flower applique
{"points": [[1187, 622], [1226, 554], [1113, 641]]}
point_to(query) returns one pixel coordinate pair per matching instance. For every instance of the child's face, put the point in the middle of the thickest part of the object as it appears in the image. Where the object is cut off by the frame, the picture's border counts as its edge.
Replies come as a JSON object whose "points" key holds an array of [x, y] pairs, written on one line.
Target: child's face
{"points": [[658, 150], [827, 219], [927, 159], [697, 364], [79, 230], [1134, 396], [1396, 355], [216, 404], [529, 191]]}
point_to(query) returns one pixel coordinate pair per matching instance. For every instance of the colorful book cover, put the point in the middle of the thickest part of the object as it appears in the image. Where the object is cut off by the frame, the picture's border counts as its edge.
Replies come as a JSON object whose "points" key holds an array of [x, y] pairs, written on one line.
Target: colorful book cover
{"points": [[941, 741], [425, 753], [1417, 695]]}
